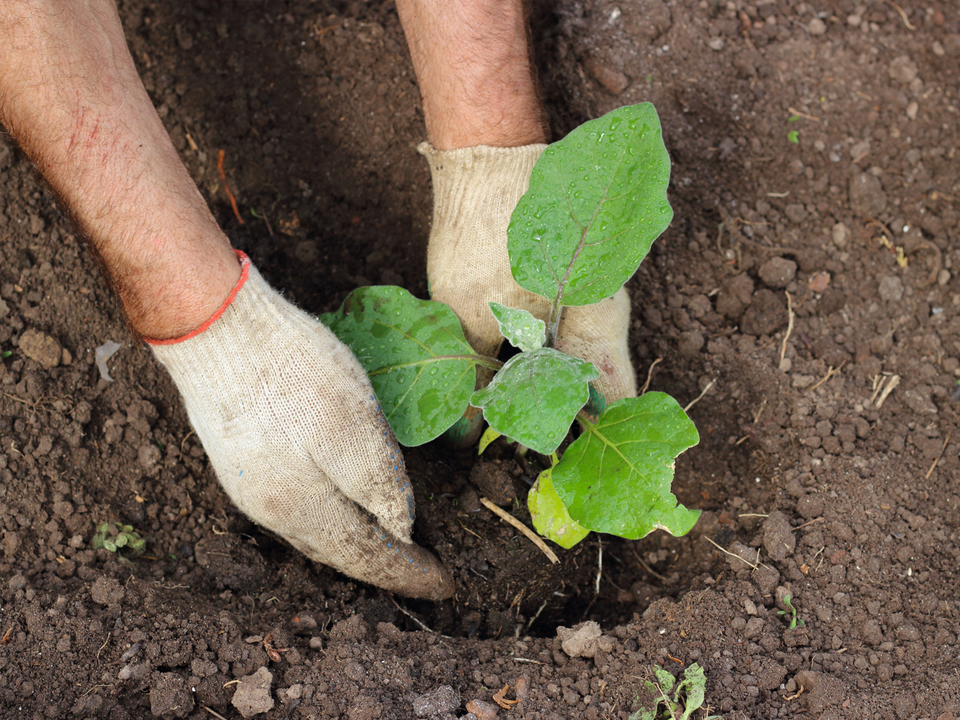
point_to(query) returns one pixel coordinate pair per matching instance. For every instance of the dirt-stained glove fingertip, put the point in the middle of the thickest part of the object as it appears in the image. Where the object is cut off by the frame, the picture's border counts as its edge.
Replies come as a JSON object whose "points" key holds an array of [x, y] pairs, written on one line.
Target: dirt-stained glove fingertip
{"points": [[399, 524]]}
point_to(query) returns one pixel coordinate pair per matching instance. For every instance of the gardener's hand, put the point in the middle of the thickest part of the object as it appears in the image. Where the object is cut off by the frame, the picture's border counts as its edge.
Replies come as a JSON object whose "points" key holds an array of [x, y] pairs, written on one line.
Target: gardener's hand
{"points": [[298, 441], [282, 408], [475, 191], [486, 127]]}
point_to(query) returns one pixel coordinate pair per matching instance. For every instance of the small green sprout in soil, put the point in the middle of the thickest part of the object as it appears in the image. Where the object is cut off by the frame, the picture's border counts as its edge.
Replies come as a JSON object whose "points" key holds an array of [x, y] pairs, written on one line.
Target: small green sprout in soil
{"points": [[596, 202], [793, 136], [687, 697], [121, 539], [795, 621]]}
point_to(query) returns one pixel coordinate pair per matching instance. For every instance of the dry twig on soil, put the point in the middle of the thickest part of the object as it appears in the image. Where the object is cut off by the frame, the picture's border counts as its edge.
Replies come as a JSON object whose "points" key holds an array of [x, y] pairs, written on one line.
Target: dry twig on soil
{"points": [[700, 396], [794, 697], [646, 567], [903, 15], [937, 459], [501, 698], [830, 373], [417, 620], [213, 712], [885, 390], [646, 385], [791, 316], [754, 566], [802, 114], [534, 538]]}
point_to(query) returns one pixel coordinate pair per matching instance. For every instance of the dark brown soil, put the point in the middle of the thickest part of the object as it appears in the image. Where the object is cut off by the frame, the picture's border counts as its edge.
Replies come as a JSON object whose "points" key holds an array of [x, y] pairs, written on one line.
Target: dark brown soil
{"points": [[810, 485]]}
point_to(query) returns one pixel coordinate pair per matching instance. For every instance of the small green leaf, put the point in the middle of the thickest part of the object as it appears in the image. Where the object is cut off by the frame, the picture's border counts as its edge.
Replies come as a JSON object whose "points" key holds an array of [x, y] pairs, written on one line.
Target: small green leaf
{"points": [[794, 137], [793, 118], [615, 478], [695, 684], [519, 327], [597, 201], [665, 678], [110, 544], [534, 398], [414, 351], [136, 544], [549, 514], [121, 540], [489, 435]]}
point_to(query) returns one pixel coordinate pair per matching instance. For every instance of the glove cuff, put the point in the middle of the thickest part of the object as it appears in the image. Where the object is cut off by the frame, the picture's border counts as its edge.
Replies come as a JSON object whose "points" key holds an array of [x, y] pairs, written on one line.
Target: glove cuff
{"points": [[484, 181], [245, 266], [214, 358]]}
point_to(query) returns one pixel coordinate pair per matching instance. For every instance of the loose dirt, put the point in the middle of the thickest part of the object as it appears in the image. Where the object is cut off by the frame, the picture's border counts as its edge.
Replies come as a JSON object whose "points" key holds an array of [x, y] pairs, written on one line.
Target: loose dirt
{"points": [[809, 277]]}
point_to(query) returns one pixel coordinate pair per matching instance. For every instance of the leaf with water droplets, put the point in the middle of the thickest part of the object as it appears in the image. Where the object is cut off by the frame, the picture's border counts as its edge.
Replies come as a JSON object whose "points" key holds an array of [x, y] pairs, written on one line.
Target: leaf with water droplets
{"points": [[519, 327], [421, 366], [535, 396], [615, 478], [597, 201]]}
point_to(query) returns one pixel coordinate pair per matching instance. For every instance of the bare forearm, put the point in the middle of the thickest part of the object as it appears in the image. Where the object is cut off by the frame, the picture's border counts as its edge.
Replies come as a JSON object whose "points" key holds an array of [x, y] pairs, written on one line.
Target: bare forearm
{"points": [[473, 67], [71, 97]]}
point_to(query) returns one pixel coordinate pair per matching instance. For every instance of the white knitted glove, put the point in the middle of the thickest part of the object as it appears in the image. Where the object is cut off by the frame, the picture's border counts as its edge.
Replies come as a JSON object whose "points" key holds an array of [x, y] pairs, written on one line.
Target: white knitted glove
{"points": [[297, 439], [474, 193]]}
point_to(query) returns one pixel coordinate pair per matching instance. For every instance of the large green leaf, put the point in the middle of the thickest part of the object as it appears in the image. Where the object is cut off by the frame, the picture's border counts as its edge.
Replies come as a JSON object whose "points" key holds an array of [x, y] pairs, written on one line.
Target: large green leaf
{"points": [[597, 201], [549, 515], [414, 351], [534, 398], [615, 478]]}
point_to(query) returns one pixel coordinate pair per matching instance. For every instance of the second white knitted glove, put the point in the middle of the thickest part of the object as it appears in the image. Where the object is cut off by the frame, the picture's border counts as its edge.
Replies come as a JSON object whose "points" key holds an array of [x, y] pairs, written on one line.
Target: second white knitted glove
{"points": [[475, 190]]}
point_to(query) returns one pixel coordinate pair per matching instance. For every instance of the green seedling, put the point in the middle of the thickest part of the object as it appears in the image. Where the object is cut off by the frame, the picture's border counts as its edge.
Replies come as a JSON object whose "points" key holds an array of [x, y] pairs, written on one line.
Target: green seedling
{"points": [[596, 202], [5, 354], [121, 539], [793, 136], [795, 621], [687, 697]]}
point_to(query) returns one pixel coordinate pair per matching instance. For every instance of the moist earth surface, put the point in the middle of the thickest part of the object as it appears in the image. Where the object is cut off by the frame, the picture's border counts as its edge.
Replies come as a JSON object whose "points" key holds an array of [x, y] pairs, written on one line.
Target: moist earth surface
{"points": [[805, 297]]}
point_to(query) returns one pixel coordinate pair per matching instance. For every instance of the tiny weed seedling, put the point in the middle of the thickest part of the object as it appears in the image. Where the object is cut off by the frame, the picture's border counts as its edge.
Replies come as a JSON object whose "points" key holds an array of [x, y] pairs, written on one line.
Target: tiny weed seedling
{"points": [[688, 695], [121, 539], [793, 136], [596, 202], [795, 621]]}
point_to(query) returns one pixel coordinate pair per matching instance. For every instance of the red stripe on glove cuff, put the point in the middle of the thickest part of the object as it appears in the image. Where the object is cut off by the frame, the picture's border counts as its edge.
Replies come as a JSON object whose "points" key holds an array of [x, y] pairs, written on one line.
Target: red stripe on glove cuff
{"points": [[244, 271]]}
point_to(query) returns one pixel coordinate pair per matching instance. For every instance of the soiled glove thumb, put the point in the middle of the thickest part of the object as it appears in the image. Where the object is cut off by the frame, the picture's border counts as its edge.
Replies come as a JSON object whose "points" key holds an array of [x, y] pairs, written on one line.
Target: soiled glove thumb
{"points": [[598, 333]]}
